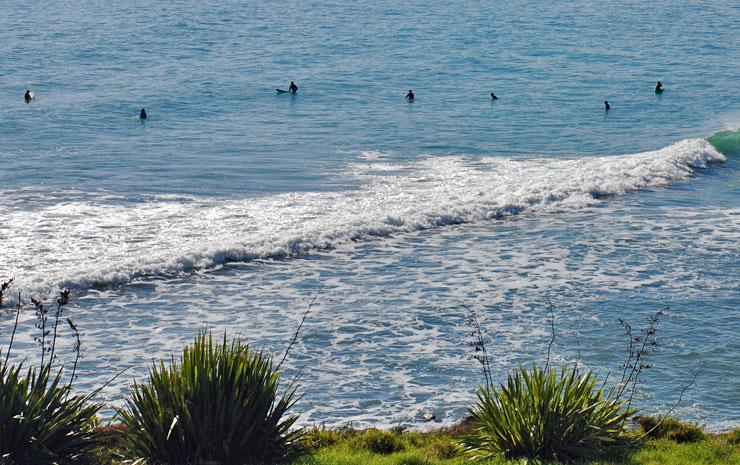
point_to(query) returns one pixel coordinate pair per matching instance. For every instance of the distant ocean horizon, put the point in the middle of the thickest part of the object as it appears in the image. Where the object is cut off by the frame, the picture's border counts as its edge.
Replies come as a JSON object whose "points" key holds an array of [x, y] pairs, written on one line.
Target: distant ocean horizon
{"points": [[232, 204]]}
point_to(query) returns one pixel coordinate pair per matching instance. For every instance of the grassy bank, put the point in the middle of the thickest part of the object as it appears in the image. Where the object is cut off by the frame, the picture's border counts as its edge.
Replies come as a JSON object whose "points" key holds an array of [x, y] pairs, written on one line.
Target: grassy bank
{"points": [[379, 447]]}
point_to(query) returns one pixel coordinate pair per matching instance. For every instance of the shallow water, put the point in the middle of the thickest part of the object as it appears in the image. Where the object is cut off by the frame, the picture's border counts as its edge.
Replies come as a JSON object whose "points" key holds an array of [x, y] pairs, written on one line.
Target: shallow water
{"points": [[231, 205]]}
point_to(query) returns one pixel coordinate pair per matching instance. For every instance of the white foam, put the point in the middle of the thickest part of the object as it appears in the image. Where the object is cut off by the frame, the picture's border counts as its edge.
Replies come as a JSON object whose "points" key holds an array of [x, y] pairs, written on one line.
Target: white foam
{"points": [[82, 243]]}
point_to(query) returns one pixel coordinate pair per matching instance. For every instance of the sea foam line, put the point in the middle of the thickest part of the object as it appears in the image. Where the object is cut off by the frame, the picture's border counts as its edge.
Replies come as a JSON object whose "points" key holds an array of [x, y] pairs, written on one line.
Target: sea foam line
{"points": [[81, 244]]}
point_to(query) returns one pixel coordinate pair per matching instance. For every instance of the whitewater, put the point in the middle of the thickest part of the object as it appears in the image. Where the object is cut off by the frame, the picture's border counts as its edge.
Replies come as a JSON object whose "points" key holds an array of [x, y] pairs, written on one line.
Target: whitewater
{"points": [[78, 245]]}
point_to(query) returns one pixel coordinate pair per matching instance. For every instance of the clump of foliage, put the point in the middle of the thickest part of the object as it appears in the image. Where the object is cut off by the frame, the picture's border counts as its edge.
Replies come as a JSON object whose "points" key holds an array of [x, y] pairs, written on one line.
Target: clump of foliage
{"points": [[563, 415], [40, 422], [733, 437], [670, 428], [380, 442], [549, 415], [219, 403], [445, 449], [318, 438]]}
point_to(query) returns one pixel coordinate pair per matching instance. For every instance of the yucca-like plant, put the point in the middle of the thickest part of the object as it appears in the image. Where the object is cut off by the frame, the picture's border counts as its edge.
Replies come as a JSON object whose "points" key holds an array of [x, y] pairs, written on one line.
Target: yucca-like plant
{"points": [[217, 404], [547, 414], [40, 422]]}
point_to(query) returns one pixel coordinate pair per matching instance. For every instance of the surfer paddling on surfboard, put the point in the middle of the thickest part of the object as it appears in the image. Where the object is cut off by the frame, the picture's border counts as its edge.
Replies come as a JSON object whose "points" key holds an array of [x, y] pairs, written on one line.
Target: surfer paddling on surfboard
{"points": [[292, 88]]}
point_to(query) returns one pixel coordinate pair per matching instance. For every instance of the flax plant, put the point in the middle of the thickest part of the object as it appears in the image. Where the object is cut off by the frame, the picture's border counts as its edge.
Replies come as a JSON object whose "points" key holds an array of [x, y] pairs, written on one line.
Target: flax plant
{"points": [[547, 414], [218, 403], [40, 421]]}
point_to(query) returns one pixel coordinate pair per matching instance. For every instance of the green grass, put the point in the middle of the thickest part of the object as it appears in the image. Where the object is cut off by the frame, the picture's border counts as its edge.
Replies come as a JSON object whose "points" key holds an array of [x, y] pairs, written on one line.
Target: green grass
{"points": [[354, 447], [344, 448], [666, 452]]}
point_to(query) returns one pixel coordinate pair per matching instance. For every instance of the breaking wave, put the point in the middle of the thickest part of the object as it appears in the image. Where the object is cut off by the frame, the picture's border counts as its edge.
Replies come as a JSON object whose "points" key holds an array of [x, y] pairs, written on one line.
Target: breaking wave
{"points": [[89, 242]]}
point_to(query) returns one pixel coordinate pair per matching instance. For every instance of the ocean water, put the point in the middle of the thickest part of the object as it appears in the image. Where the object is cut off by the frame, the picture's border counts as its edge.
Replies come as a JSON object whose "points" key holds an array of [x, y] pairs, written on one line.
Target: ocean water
{"points": [[231, 205]]}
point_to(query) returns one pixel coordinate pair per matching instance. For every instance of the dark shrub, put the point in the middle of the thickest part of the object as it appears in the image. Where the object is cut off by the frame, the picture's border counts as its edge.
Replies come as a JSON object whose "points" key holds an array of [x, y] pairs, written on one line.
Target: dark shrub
{"points": [[445, 450], [670, 428], [319, 438], [381, 442], [733, 437]]}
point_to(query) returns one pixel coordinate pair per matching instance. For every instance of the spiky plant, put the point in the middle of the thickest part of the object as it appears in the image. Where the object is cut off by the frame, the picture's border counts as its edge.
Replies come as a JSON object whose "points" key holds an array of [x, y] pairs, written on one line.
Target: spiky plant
{"points": [[39, 421], [547, 414], [218, 403]]}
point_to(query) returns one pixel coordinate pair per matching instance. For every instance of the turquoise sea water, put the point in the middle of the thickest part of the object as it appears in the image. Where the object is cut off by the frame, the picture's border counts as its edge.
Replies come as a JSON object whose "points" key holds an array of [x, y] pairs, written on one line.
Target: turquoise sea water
{"points": [[232, 204]]}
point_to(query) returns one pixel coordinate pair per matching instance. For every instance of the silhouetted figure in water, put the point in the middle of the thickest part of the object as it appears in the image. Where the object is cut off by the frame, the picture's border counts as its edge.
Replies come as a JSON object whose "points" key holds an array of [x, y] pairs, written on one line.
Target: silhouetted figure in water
{"points": [[292, 88], [142, 114], [493, 96], [410, 96], [28, 97], [659, 87], [607, 107]]}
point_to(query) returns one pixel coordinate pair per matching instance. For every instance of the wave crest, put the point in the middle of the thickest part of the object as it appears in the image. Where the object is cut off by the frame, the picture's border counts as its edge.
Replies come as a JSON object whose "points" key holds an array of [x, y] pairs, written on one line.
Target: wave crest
{"points": [[86, 243]]}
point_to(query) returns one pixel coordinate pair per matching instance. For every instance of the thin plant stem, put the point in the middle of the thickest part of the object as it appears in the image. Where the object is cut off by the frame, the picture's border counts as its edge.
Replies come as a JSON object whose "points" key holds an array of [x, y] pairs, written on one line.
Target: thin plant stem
{"points": [[54, 339], [15, 327], [61, 302], [552, 338], [295, 336], [480, 345], [76, 349], [694, 375]]}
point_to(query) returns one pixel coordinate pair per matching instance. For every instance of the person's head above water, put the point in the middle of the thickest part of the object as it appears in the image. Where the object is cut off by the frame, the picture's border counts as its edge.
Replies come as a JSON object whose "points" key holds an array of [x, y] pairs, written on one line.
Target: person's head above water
{"points": [[28, 95], [142, 114]]}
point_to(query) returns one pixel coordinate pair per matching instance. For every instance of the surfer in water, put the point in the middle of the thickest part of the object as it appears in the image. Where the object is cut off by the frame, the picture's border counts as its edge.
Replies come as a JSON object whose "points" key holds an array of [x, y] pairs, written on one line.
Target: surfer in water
{"points": [[607, 107], [292, 88], [28, 97], [493, 96], [410, 96], [142, 114], [659, 87]]}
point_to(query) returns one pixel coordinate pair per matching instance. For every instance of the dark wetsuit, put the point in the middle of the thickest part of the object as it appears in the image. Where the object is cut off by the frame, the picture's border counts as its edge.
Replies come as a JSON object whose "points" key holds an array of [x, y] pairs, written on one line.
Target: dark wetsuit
{"points": [[493, 96], [142, 115], [410, 95], [606, 105], [293, 88], [28, 96]]}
